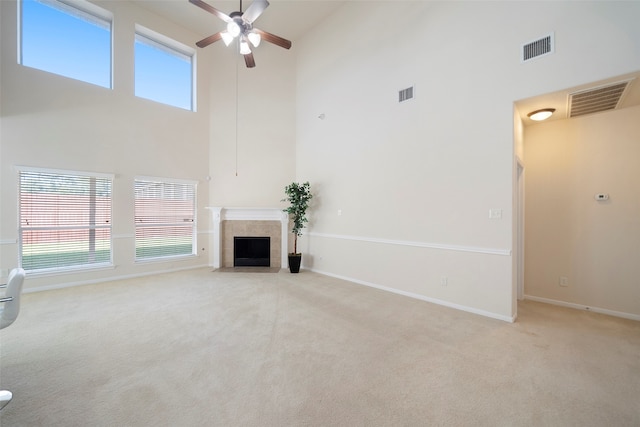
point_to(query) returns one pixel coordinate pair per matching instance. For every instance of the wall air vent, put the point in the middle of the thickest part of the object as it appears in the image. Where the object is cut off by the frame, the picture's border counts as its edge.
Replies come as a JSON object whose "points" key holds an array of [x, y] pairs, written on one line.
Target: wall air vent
{"points": [[597, 99], [537, 48], [405, 94]]}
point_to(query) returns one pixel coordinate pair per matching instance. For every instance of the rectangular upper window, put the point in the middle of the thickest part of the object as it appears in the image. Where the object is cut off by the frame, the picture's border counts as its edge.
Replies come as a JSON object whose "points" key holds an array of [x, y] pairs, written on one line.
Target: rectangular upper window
{"points": [[163, 69], [71, 38], [165, 218], [65, 219]]}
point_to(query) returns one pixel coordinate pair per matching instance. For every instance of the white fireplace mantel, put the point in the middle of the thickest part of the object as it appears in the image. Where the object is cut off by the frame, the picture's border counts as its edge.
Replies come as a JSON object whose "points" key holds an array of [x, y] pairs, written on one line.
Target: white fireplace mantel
{"points": [[219, 214]]}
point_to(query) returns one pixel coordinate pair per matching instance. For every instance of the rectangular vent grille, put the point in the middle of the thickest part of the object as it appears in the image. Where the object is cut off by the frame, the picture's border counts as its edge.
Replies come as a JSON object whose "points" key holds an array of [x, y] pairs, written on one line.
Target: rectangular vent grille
{"points": [[537, 48], [405, 94], [596, 100]]}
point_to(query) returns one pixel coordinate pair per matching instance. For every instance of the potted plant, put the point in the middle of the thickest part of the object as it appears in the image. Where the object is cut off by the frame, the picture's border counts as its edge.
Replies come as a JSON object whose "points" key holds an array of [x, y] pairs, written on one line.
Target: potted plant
{"points": [[298, 196]]}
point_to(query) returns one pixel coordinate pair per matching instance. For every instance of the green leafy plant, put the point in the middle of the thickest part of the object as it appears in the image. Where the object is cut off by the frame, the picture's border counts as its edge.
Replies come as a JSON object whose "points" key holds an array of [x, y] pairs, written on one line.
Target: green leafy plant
{"points": [[298, 196]]}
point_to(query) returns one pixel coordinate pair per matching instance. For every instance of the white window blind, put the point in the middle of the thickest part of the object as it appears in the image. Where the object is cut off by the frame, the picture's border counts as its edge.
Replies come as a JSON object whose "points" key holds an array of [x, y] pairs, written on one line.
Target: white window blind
{"points": [[65, 220], [165, 218]]}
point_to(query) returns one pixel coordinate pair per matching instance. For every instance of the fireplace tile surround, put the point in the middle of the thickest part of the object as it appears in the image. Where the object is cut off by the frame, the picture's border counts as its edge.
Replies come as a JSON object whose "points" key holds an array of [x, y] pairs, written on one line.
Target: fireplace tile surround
{"points": [[249, 222]]}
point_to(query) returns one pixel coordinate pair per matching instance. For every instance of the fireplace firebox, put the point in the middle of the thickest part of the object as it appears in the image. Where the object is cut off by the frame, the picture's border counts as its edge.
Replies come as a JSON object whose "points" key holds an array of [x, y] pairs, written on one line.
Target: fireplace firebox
{"points": [[251, 251]]}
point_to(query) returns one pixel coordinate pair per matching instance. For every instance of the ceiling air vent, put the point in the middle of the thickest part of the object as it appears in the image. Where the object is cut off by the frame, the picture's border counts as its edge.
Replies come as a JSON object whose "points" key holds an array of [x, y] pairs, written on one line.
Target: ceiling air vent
{"points": [[538, 48], [405, 94], [595, 100]]}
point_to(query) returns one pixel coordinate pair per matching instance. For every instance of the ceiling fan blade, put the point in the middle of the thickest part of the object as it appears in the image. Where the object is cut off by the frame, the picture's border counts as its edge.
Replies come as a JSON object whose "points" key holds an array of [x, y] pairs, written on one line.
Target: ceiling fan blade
{"points": [[208, 40], [211, 9], [249, 61], [255, 10], [272, 38]]}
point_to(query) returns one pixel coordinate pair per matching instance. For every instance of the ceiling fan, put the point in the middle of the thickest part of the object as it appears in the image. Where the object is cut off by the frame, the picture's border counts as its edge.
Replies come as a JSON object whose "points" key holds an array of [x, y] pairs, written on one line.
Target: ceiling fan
{"points": [[240, 26]]}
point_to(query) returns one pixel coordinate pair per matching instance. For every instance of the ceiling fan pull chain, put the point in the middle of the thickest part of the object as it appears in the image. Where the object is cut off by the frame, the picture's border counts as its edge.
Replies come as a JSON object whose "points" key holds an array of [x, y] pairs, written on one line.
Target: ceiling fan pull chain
{"points": [[237, 110]]}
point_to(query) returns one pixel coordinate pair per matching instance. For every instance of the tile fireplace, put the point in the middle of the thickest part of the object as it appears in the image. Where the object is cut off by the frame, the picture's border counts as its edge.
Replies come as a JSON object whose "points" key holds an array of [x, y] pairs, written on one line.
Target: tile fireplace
{"points": [[229, 223]]}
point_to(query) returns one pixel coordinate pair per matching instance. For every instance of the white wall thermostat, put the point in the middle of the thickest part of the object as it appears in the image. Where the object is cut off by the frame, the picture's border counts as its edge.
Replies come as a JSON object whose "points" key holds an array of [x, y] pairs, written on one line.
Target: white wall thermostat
{"points": [[601, 196]]}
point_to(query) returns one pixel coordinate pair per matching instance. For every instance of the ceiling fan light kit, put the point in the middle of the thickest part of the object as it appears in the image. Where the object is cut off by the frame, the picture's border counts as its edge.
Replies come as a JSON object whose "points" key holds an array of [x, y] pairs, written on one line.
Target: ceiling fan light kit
{"points": [[244, 48], [255, 39], [227, 38], [233, 30], [240, 27]]}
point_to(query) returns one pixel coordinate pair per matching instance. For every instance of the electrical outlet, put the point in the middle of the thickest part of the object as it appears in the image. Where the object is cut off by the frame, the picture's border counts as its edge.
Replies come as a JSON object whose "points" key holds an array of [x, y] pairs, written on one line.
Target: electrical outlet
{"points": [[444, 281], [564, 281], [495, 213]]}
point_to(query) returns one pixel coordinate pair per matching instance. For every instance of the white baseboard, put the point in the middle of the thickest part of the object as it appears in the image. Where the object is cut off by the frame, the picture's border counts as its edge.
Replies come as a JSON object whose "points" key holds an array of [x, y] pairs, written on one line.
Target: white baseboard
{"points": [[584, 307], [509, 319], [108, 279]]}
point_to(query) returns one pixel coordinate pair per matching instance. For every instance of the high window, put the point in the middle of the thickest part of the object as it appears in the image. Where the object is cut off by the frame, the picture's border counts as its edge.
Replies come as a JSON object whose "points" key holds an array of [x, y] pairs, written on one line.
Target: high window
{"points": [[163, 69], [165, 218], [71, 38], [65, 219]]}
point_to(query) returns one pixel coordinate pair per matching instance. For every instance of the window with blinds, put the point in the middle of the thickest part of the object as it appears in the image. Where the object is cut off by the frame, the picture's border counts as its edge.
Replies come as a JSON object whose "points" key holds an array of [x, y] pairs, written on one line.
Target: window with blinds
{"points": [[165, 218], [65, 220]]}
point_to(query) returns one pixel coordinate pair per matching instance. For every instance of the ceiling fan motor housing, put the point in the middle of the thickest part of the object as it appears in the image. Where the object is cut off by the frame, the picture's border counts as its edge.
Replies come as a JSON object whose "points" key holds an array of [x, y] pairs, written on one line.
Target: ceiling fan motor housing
{"points": [[243, 25]]}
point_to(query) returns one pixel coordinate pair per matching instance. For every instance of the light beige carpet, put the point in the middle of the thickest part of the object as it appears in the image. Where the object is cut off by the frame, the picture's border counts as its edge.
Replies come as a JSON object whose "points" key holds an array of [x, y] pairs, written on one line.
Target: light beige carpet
{"points": [[202, 348]]}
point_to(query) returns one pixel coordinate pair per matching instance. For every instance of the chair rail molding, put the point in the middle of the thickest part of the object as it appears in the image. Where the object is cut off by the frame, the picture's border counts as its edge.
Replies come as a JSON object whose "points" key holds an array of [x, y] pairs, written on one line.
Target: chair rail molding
{"points": [[457, 248]]}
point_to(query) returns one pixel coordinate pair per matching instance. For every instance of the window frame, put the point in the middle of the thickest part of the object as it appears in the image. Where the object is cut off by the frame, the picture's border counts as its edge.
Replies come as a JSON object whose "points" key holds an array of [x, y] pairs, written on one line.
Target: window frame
{"points": [[170, 46], [81, 9], [194, 222], [73, 267]]}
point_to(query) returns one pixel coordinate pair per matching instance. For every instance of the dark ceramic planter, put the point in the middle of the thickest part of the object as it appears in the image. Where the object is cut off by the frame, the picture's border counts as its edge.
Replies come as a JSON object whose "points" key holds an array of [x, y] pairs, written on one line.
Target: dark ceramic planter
{"points": [[294, 262]]}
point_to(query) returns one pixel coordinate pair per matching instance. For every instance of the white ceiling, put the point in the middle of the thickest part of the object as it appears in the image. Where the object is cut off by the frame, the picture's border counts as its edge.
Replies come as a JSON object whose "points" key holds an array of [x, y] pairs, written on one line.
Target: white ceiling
{"points": [[289, 19]]}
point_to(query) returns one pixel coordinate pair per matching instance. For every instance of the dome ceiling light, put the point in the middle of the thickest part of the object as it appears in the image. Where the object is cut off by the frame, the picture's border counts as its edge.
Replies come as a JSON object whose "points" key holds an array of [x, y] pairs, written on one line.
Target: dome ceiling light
{"points": [[540, 115]]}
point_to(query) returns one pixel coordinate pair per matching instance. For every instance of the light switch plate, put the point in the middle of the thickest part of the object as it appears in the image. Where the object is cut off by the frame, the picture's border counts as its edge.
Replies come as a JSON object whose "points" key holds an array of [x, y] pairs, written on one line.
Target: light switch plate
{"points": [[495, 213]]}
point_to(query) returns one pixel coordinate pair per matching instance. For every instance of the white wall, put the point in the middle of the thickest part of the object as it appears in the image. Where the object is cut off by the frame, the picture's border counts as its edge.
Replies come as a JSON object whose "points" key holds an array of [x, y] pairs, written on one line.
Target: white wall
{"points": [[51, 121], [253, 159], [568, 233], [517, 276], [415, 182]]}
